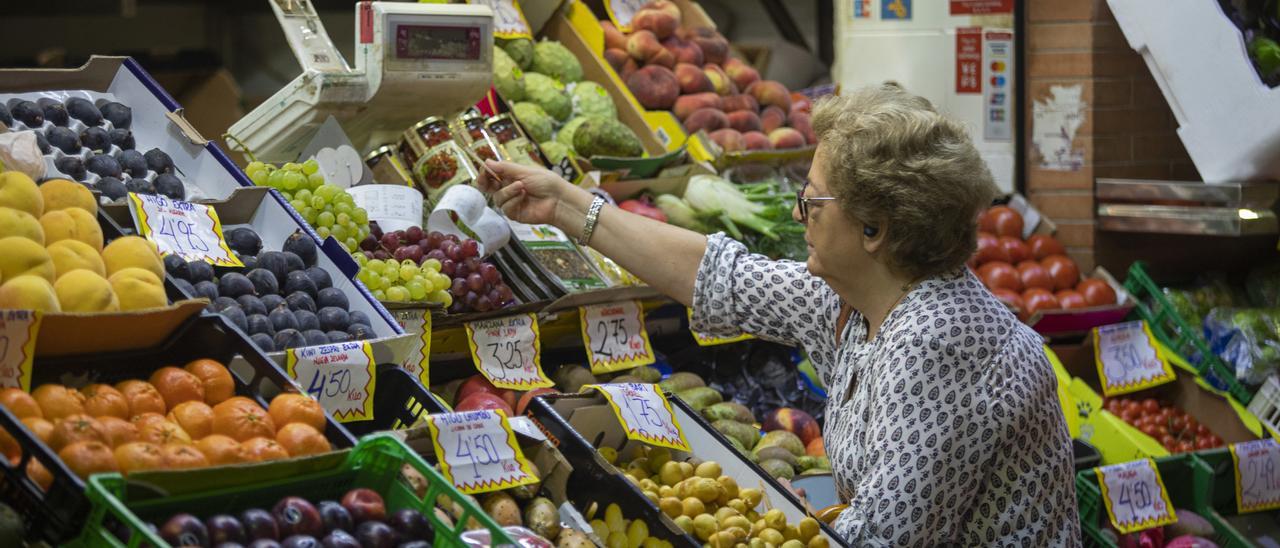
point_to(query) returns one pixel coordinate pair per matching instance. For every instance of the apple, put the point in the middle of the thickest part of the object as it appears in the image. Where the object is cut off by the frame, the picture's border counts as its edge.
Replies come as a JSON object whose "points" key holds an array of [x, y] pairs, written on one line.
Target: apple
{"points": [[483, 400], [364, 505], [478, 383]]}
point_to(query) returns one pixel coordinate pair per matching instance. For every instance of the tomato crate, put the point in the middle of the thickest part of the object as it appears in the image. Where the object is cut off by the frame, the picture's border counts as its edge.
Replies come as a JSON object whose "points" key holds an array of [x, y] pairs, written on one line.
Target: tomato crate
{"points": [[400, 401], [1179, 334], [122, 507], [55, 515]]}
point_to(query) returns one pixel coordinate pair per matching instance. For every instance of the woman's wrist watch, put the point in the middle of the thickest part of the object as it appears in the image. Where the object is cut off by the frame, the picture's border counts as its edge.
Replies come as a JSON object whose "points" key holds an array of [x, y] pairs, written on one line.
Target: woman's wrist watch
{"points": [[593, 215]]}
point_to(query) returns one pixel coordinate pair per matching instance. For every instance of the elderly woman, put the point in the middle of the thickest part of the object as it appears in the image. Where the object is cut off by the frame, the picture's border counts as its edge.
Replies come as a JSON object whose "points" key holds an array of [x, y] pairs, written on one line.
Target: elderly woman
{"points": [[943, 424]]}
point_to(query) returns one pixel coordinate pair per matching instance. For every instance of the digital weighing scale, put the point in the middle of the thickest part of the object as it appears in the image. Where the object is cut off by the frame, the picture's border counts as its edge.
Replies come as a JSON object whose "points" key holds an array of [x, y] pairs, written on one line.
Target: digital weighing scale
{"points": [[412, 61]]}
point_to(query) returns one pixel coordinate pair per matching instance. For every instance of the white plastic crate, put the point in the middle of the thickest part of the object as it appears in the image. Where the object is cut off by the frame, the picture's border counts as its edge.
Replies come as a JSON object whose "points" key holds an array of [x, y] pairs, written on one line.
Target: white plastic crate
{"points": [[1266, 404]]}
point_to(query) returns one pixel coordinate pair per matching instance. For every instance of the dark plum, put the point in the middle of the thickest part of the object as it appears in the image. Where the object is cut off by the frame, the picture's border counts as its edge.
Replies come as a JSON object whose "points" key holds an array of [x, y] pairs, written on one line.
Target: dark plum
{"points": [[289, 338], [300, 541], [185, 287], [315, 337], [259, 323], [411, 524], [263, 341], [222, 303], [138, 185], [299, 281], [336, 337], [250, 262], [319, 277], [294, 261], [275, 262], [296, 516], [282, 319], [272, 302], [234, 284], [307, 320], [158, 161], [64, 139], [360, 332], [96, 139], [252, 305], [244, 240], [122, 138], [85, 111], [119, 115], [259, 524], [169, 185], [54, 112], [111, 187], [375, 534], [103, 165], [300, 301], [332, 297], [207, 290], [6, 117], [175, 266], [185, 530], [200, 271], [333, 318], [301, 244], [359, 317], [72, 166], [236, 316], [131, 162], [340, 539], [27, 112], [264, 543], [43, 143], [334, 516], [264, 282], [224, 528]]}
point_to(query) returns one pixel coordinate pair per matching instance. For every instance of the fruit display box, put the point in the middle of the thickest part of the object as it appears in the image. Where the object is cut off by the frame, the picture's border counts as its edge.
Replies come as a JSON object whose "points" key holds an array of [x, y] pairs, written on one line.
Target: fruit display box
{"points": [[375, 463], [399, 402], [111, 352], [580, 424]]}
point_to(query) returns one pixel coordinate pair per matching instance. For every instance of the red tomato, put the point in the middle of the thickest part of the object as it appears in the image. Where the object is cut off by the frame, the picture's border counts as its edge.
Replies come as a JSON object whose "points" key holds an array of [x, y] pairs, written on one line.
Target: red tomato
{"points": [[1178, 425], [1186, 447], [1034, 275], [989, 249], [1063, 270], [1168, 441], [1005, 221], [1071, 299], [1038, 299], [1043, 245], [1150, 405], [1204, 442], [1008, 297], [1097, 292], [986, 222], [1015, 249], [999, 274]]}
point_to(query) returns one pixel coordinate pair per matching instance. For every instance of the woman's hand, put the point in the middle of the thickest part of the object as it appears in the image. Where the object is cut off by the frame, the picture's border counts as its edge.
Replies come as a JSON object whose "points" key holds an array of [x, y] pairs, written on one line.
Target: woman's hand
{"points": [[534, 195]]}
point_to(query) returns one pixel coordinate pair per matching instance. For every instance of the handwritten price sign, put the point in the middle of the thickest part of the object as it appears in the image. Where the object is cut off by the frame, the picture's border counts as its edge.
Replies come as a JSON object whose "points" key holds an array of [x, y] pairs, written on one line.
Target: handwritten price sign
{"points": [[341, 376], [621, 11], [478, 452], [1257, 475], [615, 336], [18, 329], [506, 351], [417, 322], [1127, 359], [508, 18], [1135, 496], [712, 340], [645, 413], [191, 231]]}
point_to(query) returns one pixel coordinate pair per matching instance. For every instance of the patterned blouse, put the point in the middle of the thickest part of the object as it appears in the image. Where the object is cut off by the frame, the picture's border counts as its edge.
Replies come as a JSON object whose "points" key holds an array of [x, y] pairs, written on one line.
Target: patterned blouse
{"points": [[944, 429]]}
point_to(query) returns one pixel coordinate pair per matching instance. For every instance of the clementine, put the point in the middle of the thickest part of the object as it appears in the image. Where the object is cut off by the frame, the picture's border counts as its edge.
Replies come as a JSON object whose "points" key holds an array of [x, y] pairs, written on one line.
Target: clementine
{"points": [[302, 439], [43, 429], [196, 417], [240, 419], [20, 403], [263, 449], [143, 398], [218, 384], [219, 449], [57, 401], [139, 455], [103, 400], [164, 433], [9, 446], [76, 428], [88, 457], [177, 386], [118, 430], [39, 474], [179, 456], [291, 407], [145, 419]]}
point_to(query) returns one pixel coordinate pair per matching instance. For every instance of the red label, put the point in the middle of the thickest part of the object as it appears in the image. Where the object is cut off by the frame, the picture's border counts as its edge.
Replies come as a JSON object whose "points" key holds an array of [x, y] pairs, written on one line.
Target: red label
{"points": [[980, 7], [969, 60], [366, 22]]}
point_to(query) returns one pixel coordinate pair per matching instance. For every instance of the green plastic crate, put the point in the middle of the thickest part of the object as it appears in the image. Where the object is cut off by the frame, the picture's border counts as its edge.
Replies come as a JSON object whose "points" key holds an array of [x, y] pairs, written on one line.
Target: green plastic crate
{"points": [[1178, 333], [1223, 497], [123, 506]]}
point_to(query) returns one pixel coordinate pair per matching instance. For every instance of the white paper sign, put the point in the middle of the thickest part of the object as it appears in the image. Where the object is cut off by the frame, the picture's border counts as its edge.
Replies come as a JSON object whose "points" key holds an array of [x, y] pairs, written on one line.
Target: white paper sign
{"points": [[506, 351], [478, 452], [621, 11], [508, 20], [191, 231], [1127, 360], [417, 322], [1135, 496], [615, 337], [18, 330], [644, 413], [341, 376], [1257, 475]]}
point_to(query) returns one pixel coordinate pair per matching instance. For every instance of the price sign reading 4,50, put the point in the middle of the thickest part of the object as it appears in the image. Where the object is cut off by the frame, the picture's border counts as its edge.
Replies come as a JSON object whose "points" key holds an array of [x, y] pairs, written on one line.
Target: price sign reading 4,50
{"points": [[1127, 359], [478, 452], [1257, 475], [615, 337], [1135, 496], [18, 329], [506, 351], [341, 376], [191, 231], [645, 413]]}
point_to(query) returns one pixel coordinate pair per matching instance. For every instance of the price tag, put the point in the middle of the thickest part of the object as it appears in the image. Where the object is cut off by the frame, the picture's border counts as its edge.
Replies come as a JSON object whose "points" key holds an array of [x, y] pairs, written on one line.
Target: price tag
{"points": [[341, 376], [191, 231], [508, 18], [711, 340], [506, 351], [478, 452], [18, 329], [1127, 359], [1135, 496], [417, 322], [1257, 475], [615, 337], [621, 12], [645, 413]]}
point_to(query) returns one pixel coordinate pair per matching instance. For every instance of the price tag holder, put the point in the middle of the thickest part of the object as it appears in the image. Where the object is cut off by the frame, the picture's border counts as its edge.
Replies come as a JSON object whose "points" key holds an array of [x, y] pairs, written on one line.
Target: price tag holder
{"points": [[1257, 475], [712, 340], [1127, 359], [341, 376], [1135, 496], [417, 322], [477, 451], [18, 330], [507, 351], [621, 12], [191, 231], [615, 337], [508, 18], [645, 413]]}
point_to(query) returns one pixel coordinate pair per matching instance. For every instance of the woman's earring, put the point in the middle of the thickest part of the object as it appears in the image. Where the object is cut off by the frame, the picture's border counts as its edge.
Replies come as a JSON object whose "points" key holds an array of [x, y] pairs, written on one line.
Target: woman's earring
{"points": [[870, 231]]}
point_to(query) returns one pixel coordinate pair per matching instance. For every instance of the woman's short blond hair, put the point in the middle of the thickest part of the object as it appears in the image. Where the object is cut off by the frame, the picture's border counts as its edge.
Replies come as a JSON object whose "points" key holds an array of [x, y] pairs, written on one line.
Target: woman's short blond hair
{"points": [[892, 161]]}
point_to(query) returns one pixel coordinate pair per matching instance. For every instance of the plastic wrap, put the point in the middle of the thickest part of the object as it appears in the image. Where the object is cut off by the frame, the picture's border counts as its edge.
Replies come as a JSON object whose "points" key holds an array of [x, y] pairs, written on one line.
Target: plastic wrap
{"points": [[1248, 339], [523, 537], [758, 374]]}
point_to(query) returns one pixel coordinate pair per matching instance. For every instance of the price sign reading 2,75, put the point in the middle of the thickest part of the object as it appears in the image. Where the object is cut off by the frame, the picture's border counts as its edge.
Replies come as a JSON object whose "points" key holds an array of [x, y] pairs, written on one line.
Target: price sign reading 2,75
{"points": [[615, 337], [645, 414], [506, 351], [191, 231], [1257, 475], [340, 376], [477, 451], [1135, 496]]}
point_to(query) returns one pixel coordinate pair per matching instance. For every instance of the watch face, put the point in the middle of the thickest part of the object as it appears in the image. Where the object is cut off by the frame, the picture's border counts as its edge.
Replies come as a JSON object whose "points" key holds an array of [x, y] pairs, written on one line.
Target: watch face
{"points": [[451, 43]]}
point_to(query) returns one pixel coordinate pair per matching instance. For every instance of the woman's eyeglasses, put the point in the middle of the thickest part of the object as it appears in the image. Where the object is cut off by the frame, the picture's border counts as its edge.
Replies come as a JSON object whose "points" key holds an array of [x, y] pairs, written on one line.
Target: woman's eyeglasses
{"points": [[802, 202]]}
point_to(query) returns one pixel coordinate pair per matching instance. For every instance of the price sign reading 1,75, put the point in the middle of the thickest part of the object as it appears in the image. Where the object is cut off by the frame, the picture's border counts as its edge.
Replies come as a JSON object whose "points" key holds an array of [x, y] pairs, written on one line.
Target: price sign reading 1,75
{"points": [[645, 414]]}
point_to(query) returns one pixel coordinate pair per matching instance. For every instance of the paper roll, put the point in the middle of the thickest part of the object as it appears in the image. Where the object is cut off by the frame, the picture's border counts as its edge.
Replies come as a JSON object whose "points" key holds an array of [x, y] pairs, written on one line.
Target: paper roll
{"points": [[467, 203], [394, 207]]}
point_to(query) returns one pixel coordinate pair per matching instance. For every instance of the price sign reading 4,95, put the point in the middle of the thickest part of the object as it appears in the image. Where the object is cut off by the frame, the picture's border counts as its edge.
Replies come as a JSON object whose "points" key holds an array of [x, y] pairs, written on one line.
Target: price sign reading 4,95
{"points": [[341, 376], [1127, 359], [478, 452], [506, 350], [615, 337], [1257, 475], [18, 329], [1135, 496], [645, 413], [191, 231]]}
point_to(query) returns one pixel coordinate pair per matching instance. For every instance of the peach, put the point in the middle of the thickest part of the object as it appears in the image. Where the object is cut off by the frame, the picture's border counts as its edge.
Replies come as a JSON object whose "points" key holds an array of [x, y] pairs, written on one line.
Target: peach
{"points": [[613, 38], [692, 79], [655, 87], [744, 121], [800, 101], [756, 141], [715, 49], [683, 50], [642, 45], [741, 102], [742, 74], [666, 6], [795, 421], [663, 58], [659, 22], [687, 104], [770, 92], [617, 58], [706, 119], [772, 118], [800, 121], [629, 67], [785, 137], [730, 140], [720, 81]]}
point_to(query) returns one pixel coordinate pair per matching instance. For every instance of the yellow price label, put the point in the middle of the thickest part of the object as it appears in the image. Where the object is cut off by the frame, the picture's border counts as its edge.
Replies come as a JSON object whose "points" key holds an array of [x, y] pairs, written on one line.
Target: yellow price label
{"points": [[1257, 475], [18, 333], [1127, 360], [477, 451], [417, 322], [645, 413], [191, 231], [507, 351], [1135, 496], [615, 337], [340, 376]]}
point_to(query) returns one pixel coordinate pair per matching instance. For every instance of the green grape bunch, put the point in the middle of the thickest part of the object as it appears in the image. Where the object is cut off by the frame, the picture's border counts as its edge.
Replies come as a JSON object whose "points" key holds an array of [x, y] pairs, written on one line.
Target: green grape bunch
{"points": [[329, 209]]}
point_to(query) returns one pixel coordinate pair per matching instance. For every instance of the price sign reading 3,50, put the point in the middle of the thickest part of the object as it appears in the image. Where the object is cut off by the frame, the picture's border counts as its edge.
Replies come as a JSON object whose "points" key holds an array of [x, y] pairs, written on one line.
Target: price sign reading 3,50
{"points": [[18, 330], [1127, 359], [341, 376], [1257, 475], [1135, 496], [645, 413], [505, 351], [478, 452], [615, 337], [191, 231]]}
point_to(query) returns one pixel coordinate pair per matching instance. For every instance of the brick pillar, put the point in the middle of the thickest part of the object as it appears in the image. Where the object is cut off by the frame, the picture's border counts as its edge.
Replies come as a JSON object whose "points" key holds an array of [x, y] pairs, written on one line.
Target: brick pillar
{"points": [[1126, 128]]}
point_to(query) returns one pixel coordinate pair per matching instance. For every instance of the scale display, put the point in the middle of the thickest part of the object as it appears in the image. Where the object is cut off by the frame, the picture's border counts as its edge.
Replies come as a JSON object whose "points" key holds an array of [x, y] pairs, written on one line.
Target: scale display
{"points": [[450, 43]]}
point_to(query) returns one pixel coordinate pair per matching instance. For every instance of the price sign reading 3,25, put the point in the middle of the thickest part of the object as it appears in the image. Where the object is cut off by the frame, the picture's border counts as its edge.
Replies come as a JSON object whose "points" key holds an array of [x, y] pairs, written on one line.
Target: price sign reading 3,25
{"points": [[18, 329], [615, 337], [645, 413], [1257, 475], [478, 452], [506, 351], [341, 376], [1127, 359], [191, 231], [1135, 496]]}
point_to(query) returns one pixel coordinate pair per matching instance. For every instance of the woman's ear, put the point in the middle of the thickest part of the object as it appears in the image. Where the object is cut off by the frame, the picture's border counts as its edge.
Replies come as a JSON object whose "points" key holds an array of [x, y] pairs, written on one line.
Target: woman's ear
{"points": [[872, 238]]}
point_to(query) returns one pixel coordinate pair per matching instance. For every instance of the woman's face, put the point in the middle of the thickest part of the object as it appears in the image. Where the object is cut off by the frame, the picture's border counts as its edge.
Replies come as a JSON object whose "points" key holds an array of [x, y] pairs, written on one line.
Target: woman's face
{"points": [[835, 242]]}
